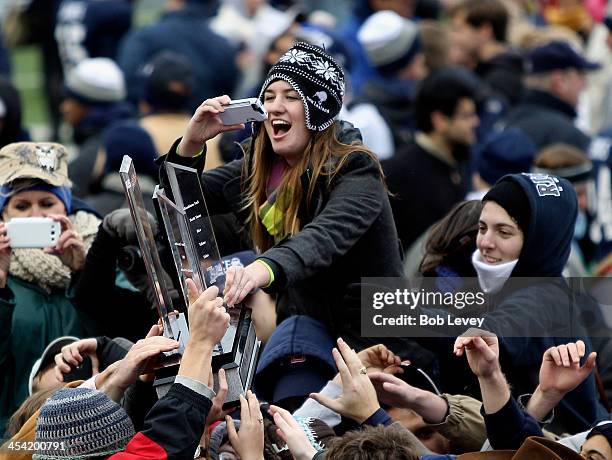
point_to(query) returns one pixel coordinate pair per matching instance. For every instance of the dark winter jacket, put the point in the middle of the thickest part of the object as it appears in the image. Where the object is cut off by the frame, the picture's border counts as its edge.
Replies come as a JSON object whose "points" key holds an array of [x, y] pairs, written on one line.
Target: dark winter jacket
{"points": [[11, 129], [347, 233], [118, 310], [98, 118], [102, 23], [184, 32], [425, 188], [503, 74], [510, 426], [547, 120], [394, 100]]}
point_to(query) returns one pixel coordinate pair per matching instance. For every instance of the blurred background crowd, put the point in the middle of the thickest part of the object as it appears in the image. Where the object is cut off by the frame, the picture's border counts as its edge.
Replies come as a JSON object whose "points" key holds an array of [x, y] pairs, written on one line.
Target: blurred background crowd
{"points": [[90, 74]]}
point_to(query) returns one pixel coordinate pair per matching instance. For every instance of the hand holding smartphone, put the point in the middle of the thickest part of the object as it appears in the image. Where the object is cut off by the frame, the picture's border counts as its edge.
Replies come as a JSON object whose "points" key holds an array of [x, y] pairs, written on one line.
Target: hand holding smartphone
{"points": [[33, 232]]}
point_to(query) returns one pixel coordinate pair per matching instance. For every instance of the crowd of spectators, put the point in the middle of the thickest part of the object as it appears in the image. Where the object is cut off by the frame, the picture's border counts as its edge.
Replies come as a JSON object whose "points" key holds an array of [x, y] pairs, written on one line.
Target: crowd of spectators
{"points": [[462, 142]]}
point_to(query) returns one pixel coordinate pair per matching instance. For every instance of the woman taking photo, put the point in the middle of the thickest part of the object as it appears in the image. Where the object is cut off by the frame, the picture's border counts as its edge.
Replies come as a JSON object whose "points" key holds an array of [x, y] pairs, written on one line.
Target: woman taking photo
{"points": [[35, 304], [310, 195]]}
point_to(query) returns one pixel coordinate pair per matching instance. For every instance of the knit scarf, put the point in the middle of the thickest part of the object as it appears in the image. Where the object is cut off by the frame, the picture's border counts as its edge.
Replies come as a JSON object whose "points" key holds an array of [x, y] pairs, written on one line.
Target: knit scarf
{"points": [[272, 211], [46, 270]]}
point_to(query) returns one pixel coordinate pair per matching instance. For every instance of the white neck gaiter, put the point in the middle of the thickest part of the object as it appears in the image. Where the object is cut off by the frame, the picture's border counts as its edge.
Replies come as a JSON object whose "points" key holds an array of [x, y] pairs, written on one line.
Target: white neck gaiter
{"points": [[491, 277]]}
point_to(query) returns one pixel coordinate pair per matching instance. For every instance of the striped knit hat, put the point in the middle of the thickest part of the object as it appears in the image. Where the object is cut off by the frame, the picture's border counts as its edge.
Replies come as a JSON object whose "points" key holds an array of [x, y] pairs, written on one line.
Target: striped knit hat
{"points": [[87, 422]]}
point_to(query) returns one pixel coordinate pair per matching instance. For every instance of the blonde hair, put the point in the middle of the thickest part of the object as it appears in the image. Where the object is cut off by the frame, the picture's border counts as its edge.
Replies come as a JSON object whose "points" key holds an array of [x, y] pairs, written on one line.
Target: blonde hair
{"points": [[324, 156]]}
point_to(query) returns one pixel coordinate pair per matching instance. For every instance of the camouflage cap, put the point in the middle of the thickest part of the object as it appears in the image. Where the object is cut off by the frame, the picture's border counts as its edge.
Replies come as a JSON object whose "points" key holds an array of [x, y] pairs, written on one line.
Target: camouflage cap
{"points": [[46, 161]]}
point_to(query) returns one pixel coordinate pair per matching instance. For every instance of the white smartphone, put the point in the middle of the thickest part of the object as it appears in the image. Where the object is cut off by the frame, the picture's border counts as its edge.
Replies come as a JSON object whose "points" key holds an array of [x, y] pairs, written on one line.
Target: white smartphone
{"points": [[243, 111], [33, 232]]}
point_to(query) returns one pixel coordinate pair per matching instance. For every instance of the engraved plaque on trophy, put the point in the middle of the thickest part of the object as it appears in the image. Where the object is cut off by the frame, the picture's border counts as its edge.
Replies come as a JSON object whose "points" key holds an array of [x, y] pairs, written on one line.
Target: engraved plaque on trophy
{"points": [[174, 323], [179, 239]]}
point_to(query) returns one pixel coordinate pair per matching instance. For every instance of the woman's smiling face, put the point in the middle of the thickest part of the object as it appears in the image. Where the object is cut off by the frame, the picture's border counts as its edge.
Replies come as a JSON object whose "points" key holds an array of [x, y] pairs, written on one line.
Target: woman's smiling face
{"points": [[286, 123], [499, 239]]}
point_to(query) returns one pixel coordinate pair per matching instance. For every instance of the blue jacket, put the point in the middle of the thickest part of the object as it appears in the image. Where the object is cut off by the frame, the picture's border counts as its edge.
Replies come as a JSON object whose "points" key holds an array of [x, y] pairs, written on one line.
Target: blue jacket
{"points": [[600, 226], [100, 25], [547, 120], [184, 32]]}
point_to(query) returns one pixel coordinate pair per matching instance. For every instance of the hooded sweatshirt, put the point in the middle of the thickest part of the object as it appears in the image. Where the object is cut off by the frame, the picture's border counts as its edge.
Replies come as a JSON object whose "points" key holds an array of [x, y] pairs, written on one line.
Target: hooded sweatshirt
{"points": [[544, 312]]}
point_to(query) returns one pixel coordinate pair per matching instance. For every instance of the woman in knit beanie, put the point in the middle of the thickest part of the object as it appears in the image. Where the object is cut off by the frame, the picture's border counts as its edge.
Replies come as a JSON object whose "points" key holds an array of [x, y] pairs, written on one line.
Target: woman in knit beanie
{"points": [[310, 196]]}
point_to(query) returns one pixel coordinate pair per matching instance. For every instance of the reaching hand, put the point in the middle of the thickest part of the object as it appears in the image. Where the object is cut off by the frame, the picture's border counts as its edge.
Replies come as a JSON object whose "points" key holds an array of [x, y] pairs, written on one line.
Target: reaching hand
{"points": [[482, 350], [358, 399], [292, 433], [70, 247], [216, 411], [393, 391], [248, 442], [397, 393], [208, 320], [561, 372], [71, 355], [380, 358], [5, 254], [204, 125], [136, 362], [241, 281]]}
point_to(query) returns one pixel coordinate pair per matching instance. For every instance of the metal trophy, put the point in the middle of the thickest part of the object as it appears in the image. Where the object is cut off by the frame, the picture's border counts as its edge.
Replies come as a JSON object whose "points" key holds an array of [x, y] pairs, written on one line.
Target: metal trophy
{"points": [[196, 255], [187, 226], [174, 322]]}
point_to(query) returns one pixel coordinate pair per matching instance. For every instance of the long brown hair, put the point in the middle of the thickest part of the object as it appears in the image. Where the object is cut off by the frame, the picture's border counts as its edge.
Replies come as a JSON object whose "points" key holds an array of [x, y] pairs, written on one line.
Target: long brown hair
{"points": [[29, 408], [452, 235], [324, 156]]}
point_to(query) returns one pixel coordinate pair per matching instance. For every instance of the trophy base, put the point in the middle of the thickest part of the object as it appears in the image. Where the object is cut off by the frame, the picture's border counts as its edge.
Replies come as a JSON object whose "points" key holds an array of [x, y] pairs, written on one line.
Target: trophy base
{"points": [[235, 385]]}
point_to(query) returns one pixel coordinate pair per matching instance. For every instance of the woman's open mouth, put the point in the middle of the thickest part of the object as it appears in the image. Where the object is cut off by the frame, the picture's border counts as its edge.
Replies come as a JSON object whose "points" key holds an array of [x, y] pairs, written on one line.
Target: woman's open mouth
{"points": [[280, 128]]}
